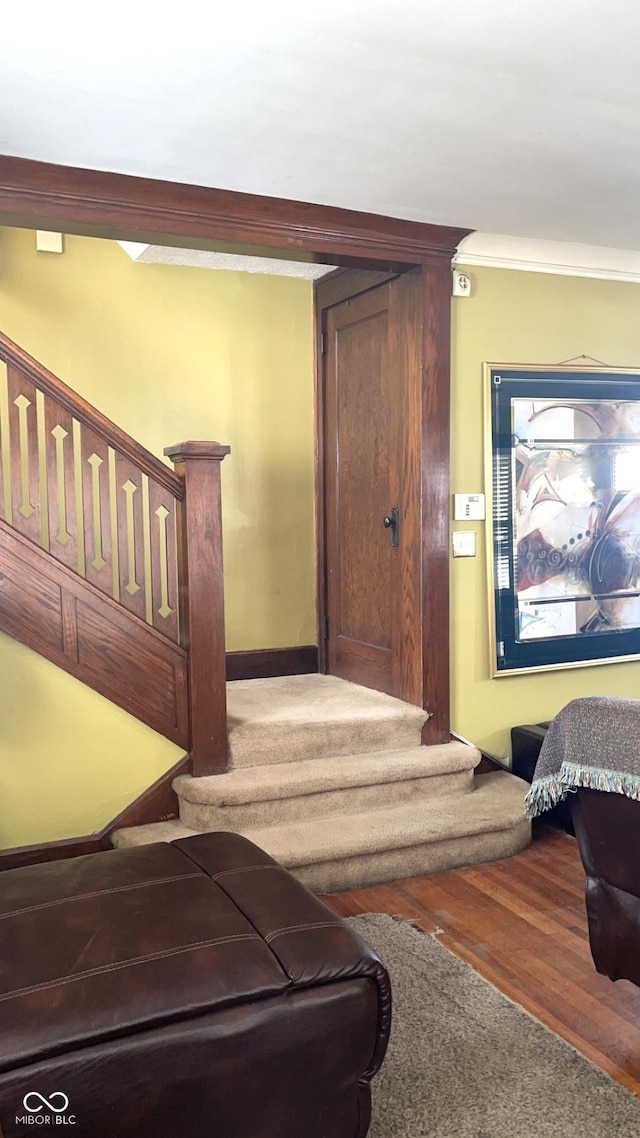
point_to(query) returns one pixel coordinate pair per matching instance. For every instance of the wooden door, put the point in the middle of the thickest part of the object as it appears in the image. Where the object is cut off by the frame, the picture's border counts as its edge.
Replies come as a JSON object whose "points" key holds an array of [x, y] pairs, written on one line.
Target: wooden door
{"points": [[372, 464]]}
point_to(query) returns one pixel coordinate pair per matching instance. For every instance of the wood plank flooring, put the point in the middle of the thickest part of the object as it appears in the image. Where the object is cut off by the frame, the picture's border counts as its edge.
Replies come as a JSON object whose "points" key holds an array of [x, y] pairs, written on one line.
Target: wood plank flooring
{"points": [[522, 924]]}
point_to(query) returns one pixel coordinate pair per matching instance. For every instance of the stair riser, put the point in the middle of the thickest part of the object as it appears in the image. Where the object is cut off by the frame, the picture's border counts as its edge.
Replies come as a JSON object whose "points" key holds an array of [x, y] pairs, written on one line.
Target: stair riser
{"points": [[254, 748], [327, 804], [391, 865]]}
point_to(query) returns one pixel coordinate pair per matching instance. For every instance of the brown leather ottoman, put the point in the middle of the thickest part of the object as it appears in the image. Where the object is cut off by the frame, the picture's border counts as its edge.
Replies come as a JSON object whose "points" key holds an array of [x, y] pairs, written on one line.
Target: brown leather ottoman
{"points": [[183, 990]]}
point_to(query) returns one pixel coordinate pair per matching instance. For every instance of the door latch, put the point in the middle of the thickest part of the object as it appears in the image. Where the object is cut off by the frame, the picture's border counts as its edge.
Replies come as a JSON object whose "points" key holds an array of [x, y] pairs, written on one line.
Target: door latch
{"points": [[392, 522]]}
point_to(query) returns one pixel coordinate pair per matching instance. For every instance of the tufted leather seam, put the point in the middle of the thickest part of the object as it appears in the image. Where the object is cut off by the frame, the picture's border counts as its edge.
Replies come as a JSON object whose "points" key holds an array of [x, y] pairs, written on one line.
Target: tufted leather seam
{"points": [[96, 893], [302, 928], [122, 964]]}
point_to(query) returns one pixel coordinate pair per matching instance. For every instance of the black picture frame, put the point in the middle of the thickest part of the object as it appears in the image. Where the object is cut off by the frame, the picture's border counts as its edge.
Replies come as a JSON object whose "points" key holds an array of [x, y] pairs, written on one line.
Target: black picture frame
{"points": [[563, 490]]}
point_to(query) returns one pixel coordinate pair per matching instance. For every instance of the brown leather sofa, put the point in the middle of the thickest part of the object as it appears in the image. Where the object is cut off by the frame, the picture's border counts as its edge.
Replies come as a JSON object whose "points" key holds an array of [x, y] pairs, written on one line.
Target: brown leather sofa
{"points": [[608, 833], [183, 990]]}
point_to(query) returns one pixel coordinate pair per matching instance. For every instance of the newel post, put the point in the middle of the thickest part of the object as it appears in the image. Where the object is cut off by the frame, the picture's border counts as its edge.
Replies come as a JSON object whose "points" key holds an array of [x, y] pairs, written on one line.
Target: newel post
{"points": [[202, 600]]}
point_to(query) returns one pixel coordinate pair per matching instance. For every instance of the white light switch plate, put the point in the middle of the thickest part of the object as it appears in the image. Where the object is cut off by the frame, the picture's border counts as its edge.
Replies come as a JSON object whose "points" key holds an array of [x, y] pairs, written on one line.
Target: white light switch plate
{"points": [[464, 544]]}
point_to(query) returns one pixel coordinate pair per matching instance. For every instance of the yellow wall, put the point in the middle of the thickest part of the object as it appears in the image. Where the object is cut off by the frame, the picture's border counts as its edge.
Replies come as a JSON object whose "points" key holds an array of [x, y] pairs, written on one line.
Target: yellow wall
{"points": [[173, 354], [70, 761], [170, 354], [519, 317]]}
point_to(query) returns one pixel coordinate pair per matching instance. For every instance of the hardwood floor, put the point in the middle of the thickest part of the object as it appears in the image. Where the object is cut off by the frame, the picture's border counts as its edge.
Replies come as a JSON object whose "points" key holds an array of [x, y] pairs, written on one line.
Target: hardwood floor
{"points": [[521, 923]]}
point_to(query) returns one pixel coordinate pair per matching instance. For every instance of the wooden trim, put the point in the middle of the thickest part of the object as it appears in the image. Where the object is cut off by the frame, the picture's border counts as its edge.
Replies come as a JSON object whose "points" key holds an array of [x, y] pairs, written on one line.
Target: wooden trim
{"points": [[19, 856], [262, 663], [41, 195], [436, 416], [405, 312], [488, 763], [200, 576], [344, 284], [203, 450], [89, 416], [156, 804], [320, 518], [69, 621]]}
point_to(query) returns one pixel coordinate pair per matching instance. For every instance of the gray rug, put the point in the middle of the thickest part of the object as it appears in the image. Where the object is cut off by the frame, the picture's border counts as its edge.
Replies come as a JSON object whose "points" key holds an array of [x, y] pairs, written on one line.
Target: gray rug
{"points": [[465, 1062]]}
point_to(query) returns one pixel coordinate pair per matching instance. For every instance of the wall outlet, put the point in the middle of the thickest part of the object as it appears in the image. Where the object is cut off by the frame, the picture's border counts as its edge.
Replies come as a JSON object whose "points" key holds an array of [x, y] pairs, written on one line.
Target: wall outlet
{"points": [[461, 283], [464, 544]]}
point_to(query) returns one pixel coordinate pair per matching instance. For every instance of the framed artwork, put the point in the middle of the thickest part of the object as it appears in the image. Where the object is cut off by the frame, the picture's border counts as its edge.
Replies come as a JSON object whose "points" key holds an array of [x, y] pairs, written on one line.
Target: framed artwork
{"points": [[563, 487]]}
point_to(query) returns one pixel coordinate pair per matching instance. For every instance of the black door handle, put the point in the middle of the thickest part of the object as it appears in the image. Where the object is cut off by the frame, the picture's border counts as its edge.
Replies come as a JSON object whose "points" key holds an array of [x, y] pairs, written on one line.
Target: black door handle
{"points": [[392, 522]]}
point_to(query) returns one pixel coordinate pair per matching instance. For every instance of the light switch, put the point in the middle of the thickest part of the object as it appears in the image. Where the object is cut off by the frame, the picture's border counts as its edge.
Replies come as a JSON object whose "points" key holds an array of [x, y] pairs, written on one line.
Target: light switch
{"points": [[468, 507], [464, 544]]}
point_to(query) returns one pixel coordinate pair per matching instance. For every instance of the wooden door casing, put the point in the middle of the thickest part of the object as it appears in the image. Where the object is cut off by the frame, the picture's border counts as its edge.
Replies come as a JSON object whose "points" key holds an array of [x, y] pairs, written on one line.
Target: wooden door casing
{"points": [[118, 206]]}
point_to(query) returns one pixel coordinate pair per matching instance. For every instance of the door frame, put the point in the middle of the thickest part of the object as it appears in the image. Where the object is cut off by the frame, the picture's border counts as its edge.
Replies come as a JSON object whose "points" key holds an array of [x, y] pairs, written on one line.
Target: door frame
{"points": [[39, 195]]}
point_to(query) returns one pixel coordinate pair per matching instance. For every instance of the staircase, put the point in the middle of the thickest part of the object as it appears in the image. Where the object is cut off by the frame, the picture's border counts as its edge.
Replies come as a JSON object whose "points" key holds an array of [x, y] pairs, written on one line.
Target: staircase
{"points": [[111, 567], [330, 779], [111, 562]]}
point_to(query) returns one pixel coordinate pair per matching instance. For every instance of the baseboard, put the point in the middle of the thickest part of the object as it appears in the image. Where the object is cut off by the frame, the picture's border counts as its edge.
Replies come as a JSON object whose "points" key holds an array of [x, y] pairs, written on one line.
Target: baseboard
{"points": [[488, 762], [262, 663], [156, 804], [20, 856]]}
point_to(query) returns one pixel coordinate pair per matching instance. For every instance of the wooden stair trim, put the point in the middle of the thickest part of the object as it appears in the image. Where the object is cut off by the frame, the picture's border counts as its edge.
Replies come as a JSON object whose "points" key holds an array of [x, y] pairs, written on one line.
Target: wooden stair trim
{"points": [[262, 663], [51, 609], [113, 435], [81, 586]]}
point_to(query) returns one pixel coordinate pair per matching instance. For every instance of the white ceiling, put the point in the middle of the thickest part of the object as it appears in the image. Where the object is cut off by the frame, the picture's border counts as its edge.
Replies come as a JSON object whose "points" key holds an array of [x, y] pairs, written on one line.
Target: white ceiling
{"points": [[507, 116]]}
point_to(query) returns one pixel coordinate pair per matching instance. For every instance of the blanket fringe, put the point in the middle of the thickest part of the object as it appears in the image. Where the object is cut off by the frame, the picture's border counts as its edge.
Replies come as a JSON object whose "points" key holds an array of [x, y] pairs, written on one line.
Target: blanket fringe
{"points": [[547, 792]]}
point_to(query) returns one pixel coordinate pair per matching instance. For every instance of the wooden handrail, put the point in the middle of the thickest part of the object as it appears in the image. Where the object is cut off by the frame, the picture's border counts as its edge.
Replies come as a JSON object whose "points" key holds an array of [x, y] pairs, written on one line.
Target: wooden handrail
{"points": [[85, 413], [201, 585]]}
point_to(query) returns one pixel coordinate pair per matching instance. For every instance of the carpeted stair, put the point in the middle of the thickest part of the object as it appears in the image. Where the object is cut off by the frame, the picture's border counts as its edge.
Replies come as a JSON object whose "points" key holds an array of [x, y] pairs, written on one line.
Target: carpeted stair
{"points": [[331, 780]]}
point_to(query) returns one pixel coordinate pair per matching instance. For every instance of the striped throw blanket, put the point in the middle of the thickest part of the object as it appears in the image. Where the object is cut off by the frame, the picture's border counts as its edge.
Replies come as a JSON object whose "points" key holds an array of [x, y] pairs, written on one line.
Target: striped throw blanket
{"points": [[593, 742]]}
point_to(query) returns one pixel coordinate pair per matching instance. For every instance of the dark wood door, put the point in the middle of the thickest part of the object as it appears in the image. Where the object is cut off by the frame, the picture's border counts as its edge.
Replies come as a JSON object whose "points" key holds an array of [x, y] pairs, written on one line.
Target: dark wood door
{"points": [[372, 404]]}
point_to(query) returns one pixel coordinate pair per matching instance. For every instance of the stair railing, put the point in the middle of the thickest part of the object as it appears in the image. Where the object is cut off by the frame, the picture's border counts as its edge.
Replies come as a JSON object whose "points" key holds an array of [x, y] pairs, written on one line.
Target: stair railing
{"points": [[146, 536]]}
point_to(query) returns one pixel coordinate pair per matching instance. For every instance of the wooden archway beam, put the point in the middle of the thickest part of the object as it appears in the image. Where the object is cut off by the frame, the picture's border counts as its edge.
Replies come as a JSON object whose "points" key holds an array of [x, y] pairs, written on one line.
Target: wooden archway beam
{"points": [[44, 196]]}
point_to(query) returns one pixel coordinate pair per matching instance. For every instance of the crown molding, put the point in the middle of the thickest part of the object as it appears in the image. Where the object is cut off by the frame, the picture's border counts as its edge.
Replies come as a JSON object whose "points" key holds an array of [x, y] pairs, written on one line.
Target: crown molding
{"points": [[530, 255]]}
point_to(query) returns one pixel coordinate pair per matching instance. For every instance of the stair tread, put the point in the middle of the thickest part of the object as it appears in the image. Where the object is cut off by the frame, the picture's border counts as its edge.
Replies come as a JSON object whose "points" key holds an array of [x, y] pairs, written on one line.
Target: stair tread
{"points": [[496, 803], [310, 699], [286, 719], [151, 832], [313, 776]]}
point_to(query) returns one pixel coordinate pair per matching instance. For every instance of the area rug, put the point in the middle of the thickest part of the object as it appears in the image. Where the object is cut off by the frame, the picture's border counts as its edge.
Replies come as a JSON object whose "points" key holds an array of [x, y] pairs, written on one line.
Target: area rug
{"points": [[465, 1062]]}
